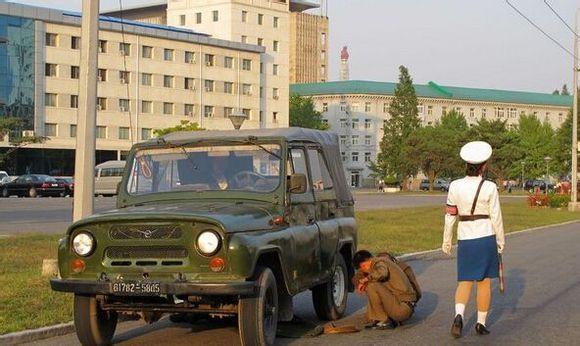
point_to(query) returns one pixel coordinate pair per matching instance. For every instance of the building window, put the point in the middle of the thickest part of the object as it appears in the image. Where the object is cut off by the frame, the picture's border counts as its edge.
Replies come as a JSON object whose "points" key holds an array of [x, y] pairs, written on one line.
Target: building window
{"points": [[209, 60], [420, 109], [215, 16], [343, 123], [275, 69], [368, 123], [198, 18], [367, 157], [429, 110], [560, 117], [168, 54], [168, 81], [124, 77], [102, 75], [244, 39], [123, 105], [246, 64], [342, 140], [385, 107], [229, 87], [275, 93], [50, 130], [147, 52], [102, 46], [354, 157], [146, 107], [51, 40], [354, 140], [228, 111], [368, 140], [355, 124], [471, 112], [513, 112], [208, 111], [189, 110], [483, 112], [244, 16], [325, 107], [189, 57], [75, 72], [189, 83], [50, 70], [247, 89], [101, 132], [367, 107], [123, 133], [182, 19], [167, 108], [344, 157], [499, 112], [209, 85], [260, 19], [125, 48], [75, 42], [72, 130], [275, 46], [101, 103], [275, 22], [323, 38], [145, 133], [50, 100], [444, 110], [74, 101], [275, 117], [260, 42], [228, 62], [458, 110], [146, 79]]}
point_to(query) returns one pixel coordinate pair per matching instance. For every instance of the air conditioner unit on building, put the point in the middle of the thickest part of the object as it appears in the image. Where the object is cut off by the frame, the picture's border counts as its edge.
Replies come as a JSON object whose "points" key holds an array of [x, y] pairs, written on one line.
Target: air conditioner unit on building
{"points": [[99, 78], [190, 114], [124, 81], [208, 63], [276, 97], [208, 89], [123, 109], [27, 133], [209, 115], [99, 107]]}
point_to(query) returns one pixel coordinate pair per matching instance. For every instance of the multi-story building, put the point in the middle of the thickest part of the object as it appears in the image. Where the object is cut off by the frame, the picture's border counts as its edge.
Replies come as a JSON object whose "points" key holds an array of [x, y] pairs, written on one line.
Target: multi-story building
{"points": [[150, 77], [357, 110], [308, 47]]}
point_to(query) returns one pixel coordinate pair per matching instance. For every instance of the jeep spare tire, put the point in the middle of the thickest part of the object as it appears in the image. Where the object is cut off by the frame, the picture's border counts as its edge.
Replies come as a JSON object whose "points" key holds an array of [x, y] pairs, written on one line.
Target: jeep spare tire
{"points": [[330, 298], [258, 315], [93, 325]]}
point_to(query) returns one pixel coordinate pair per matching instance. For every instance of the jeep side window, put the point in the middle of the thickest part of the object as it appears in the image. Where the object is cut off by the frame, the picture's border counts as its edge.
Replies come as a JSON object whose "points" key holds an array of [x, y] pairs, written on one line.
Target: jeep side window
{"points": [[298, 158], [321, 179]]}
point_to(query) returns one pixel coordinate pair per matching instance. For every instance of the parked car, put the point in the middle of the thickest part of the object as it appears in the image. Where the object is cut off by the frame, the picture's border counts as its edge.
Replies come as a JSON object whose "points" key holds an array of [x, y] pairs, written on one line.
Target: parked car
{"points": [[33, 185], [4, 177], [438, 185], [530, 185], [69, 185], [222, 223], [107, 176]]}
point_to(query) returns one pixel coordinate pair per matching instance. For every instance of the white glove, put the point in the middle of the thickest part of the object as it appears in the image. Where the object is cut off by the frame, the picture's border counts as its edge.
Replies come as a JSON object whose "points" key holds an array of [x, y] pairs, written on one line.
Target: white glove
{"points": [[446, 248], [500, 248]]}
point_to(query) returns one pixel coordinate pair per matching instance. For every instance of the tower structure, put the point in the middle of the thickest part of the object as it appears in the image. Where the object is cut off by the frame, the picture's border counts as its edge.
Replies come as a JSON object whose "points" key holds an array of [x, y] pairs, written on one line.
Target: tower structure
{"points": [[344, 73]]}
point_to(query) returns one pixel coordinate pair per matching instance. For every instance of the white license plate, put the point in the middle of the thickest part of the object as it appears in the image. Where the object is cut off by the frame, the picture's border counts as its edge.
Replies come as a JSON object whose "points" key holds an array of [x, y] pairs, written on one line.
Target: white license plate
{"points": [[136, 288]]}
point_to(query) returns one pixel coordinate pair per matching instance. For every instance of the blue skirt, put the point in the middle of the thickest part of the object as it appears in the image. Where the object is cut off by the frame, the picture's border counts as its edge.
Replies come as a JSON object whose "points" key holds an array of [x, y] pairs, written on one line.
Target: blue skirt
{"points": [[477, 259]]}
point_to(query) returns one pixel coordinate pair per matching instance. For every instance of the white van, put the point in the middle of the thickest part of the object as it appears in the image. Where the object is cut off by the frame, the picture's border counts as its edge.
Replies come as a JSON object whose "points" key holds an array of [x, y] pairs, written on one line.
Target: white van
{"points": [[107, 176]]}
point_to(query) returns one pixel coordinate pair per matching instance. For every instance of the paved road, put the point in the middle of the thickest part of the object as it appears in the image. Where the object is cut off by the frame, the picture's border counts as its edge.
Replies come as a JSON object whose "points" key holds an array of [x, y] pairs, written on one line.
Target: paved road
{"points": [[540, 305]]}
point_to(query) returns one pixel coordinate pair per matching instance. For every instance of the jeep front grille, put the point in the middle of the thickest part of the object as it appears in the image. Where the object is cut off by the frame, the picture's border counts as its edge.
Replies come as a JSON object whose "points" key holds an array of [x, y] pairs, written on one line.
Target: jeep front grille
{"points": [[153, 232], [139, 252]]}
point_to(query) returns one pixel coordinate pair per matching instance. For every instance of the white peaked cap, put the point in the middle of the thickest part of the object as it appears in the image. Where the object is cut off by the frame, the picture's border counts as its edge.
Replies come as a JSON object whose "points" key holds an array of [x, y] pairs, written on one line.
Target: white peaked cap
{"points": [[476, 152]]}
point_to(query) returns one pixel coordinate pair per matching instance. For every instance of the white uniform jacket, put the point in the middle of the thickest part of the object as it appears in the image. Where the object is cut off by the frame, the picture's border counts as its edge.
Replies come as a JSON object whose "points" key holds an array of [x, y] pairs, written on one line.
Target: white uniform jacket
{"points": [[461, 195]]}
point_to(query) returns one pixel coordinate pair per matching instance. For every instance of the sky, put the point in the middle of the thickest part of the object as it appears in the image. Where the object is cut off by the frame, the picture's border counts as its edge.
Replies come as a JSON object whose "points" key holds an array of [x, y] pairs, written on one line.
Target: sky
{"points": [[472, 43]]}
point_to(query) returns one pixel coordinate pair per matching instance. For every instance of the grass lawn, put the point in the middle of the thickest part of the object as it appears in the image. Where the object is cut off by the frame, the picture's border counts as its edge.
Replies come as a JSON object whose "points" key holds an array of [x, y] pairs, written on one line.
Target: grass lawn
{"points": [[26, 300]]}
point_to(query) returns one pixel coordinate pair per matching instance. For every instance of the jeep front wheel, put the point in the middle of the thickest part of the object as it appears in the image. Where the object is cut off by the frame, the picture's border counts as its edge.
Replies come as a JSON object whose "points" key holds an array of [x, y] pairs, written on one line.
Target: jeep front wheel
{"points": [[330, 298], [93, 325], [258, 315]]}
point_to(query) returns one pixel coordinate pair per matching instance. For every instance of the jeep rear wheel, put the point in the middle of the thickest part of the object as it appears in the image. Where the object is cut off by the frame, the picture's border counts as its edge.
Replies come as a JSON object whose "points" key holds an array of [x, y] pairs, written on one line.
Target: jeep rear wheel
{"points": [[258, 315], [330, 298], [93, 325]]}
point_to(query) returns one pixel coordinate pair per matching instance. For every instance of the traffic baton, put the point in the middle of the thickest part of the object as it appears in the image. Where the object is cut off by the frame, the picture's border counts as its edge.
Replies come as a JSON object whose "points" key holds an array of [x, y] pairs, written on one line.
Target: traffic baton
{"points": [[501, 278]]}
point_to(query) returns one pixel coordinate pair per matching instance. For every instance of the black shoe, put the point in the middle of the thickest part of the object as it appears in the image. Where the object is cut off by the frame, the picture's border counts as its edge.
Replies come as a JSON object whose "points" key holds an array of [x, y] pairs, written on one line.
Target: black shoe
{"points": [[481, 330], [457, 326]]}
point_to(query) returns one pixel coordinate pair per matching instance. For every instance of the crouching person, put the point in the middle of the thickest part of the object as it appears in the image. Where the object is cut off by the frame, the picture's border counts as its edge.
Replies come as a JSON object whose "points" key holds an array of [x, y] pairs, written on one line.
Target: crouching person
{"points": [[390, 286]]}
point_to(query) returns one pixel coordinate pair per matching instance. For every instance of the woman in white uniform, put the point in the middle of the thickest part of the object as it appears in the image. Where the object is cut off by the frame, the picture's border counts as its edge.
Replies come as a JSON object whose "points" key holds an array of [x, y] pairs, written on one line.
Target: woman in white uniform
{"points": [[480, 235]]}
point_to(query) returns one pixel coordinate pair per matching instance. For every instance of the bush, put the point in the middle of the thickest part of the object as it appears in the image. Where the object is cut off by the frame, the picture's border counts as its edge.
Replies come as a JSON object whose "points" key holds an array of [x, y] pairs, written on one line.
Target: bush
{"points": [[558, 201]]}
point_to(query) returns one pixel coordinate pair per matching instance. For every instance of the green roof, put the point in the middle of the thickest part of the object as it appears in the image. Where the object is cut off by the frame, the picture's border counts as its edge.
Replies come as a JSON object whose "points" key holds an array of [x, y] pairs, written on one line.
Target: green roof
{"points": [[432, 90]]}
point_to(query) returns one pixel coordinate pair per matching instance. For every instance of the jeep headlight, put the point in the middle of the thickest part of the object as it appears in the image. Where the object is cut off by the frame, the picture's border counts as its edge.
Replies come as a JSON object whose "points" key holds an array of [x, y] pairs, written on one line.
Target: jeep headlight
{"points": [[208, 243], [83, 244]]}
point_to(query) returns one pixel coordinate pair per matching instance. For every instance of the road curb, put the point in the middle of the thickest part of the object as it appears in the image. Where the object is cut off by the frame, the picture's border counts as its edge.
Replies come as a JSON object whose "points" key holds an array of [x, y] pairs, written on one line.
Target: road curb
{"points": [[31, 335]]}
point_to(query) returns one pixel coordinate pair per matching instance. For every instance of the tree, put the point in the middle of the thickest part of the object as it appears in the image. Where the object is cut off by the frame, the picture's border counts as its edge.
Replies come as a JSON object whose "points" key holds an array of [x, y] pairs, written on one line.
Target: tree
{"points": [[536, 141], [565, 90], [303, 113], [556, 92], [403, 121], [185, 125], [562, 164], [11, 126]]}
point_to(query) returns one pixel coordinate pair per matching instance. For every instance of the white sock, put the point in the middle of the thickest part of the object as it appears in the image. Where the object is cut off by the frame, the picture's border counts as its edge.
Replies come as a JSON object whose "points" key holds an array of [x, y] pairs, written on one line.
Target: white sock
{"points": [[459, 309], [481, 316]]}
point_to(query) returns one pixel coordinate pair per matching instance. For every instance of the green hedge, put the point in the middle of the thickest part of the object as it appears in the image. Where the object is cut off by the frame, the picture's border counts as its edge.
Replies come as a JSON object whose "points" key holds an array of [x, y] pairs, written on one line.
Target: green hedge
{"points": [[558, 201]]}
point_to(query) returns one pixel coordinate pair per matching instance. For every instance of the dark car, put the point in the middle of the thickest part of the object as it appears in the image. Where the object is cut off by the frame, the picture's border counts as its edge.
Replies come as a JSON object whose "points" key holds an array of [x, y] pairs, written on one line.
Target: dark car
{"points": [[69, 185], [438, 185], [531, 185], [33, 185], [218, 223]]}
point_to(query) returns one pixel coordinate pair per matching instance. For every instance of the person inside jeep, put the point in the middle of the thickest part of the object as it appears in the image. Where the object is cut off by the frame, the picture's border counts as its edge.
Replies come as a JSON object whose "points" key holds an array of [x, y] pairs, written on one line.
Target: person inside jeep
{"points": [[390, 286]]}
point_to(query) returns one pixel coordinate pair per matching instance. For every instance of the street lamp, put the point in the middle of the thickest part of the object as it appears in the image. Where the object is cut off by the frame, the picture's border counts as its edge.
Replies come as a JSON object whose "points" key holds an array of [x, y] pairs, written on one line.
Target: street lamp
{"points": [[523, 183], [237, 119], [547, 159]]}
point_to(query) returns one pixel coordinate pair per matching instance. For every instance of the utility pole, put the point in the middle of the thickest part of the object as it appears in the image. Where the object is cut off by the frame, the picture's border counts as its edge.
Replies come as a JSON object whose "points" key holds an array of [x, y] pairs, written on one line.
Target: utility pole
{"points": [[87, 116], [574, 205]]}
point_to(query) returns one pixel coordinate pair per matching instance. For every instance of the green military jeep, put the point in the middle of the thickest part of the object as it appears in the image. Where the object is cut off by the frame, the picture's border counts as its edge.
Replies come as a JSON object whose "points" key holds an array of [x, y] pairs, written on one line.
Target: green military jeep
{"points": [[221, 223]]}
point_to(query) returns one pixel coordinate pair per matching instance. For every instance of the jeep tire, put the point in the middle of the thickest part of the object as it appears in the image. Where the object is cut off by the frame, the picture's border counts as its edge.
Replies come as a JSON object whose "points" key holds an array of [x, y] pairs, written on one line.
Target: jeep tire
{"points": [[330, 298], [258, 314], [93, 326]]}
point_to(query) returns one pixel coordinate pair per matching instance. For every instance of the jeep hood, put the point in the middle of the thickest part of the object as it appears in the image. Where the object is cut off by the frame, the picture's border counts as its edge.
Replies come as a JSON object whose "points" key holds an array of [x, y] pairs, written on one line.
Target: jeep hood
{"points": [[233, 217]]}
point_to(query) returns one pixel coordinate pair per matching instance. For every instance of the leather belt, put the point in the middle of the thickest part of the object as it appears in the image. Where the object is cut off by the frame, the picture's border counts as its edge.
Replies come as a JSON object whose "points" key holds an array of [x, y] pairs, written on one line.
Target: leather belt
{"points": [[472, 217]]}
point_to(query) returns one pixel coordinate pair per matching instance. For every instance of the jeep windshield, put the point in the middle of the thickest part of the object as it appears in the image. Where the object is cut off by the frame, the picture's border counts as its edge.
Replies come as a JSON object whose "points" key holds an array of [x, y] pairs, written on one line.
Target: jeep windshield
{"points": [[244, 167]]}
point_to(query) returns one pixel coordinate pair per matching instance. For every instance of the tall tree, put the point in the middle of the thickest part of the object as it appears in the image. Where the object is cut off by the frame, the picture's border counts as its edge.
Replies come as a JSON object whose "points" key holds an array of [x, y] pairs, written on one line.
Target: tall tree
{"points": [[184, 125], [563, 148], [536, 140], [564, 90], [11, 126], [403, 121], [303, 113]]}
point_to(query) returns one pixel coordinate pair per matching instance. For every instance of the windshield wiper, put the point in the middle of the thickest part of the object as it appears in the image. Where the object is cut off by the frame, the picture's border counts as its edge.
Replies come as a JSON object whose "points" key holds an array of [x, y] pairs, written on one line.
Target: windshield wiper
{"points": [[252, 140]]}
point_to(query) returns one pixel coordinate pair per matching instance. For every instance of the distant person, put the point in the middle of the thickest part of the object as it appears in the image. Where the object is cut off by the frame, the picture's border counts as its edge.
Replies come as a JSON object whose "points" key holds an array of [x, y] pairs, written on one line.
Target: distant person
{"points": [[381, 186], [475, 202], [391, 292]]}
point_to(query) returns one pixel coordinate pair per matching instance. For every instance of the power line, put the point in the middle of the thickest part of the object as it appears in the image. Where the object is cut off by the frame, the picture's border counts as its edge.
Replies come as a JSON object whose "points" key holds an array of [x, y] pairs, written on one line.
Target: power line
{"points": [[560, 17], [541, 30]]}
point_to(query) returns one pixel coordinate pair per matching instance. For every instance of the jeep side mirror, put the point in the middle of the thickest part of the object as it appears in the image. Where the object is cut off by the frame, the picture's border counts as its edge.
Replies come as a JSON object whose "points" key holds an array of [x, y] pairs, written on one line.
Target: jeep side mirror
{"points": [[297, 183]]}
